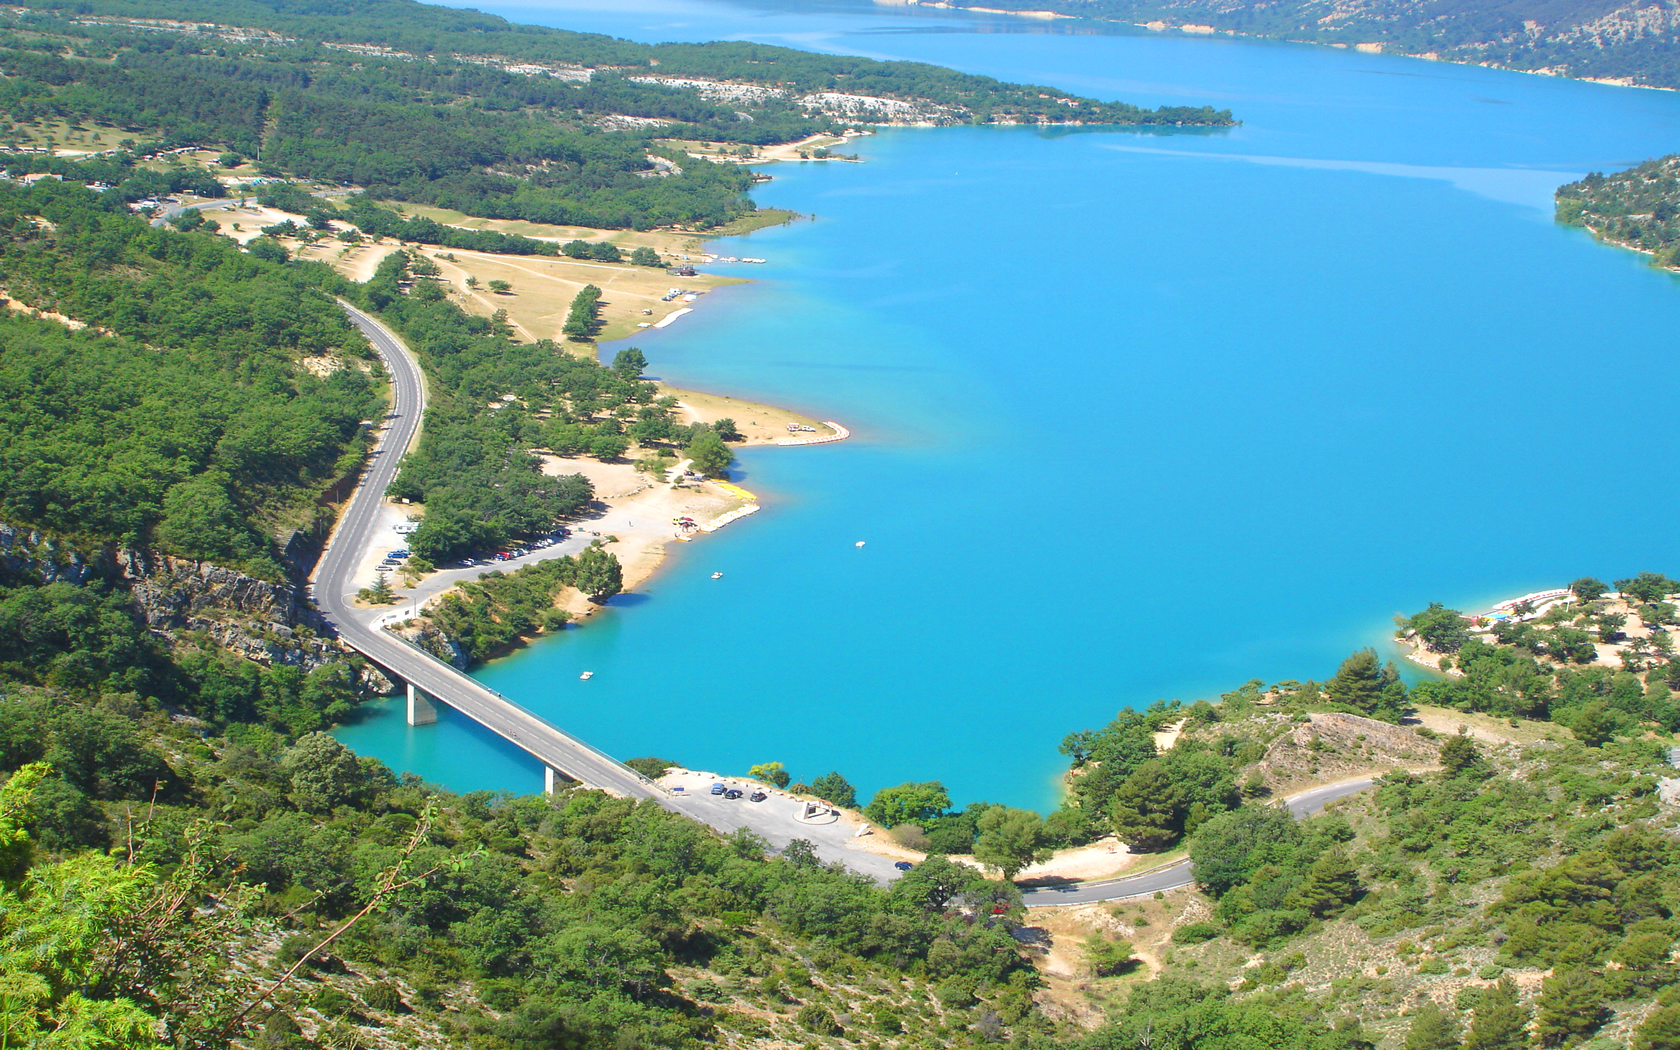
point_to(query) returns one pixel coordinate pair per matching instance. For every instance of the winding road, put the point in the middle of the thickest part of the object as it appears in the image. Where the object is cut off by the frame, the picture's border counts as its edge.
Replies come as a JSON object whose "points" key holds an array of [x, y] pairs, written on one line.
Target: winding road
{"points": [[1177, 875], [334, 593]]}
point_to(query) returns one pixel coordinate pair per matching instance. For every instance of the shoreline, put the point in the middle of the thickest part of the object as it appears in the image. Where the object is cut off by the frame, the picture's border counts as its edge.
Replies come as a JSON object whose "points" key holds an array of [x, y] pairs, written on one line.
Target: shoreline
{"points": [[635, 516]]}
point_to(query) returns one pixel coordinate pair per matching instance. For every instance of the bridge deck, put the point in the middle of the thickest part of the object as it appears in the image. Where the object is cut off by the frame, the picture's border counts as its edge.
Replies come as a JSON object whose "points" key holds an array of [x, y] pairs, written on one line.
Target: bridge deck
{"points": [[334, 594]]}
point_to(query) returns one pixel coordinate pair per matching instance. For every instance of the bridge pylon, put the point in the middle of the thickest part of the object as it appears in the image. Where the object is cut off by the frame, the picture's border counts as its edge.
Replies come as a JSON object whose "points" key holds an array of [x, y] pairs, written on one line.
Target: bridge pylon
{"points": [[422, 709]]}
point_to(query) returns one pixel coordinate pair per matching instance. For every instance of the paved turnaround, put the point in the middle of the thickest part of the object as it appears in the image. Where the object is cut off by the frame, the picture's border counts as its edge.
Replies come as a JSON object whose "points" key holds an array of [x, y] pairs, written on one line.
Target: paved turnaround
{"points": [[1177, 874], [334, 580]]}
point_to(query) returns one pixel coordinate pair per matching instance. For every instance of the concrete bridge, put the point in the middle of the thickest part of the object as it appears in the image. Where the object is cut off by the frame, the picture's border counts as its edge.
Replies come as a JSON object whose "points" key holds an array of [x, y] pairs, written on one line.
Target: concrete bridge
{"points": [[431, 681]]}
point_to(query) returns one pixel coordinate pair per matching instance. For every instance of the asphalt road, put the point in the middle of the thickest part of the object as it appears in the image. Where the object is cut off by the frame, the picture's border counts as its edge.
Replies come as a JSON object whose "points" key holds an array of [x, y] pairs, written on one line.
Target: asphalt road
{"points": [[1178, 874], [334, 589], [167, 214]]}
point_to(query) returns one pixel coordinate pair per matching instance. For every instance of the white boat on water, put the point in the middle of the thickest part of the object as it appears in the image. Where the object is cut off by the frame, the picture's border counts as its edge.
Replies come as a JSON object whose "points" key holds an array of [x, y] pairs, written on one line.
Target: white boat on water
{"points": [[717, 575], [587, 675]]}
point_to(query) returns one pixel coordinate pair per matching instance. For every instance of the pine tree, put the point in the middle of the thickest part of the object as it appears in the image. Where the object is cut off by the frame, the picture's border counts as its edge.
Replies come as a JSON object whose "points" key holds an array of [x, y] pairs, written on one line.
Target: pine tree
{"points": [[1459, 756], [1371, 687], [1571, 1007], [1433, 1029], [1331, 884], [1500, 1021], [598, 574]]}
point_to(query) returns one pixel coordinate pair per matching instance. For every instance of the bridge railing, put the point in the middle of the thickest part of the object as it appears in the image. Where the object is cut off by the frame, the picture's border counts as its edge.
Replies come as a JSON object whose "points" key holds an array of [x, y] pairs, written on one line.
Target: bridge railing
{"points": [[584, 744]]}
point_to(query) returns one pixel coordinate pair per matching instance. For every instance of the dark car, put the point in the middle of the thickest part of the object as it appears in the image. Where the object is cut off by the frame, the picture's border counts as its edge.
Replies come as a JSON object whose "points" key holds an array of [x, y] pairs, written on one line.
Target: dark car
{"points": [[903, 865], [732, 793], [757, 796], [718, 789]]}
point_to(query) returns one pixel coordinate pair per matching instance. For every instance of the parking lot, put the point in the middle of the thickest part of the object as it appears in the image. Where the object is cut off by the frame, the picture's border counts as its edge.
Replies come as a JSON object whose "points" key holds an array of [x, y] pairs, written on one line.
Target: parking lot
{"points": [[776, 819]]}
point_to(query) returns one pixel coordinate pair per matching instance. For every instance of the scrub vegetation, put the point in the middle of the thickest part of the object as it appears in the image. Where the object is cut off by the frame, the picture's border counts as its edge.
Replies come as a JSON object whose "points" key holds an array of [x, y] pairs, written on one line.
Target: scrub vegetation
{"points": [[1614, 40], [1638, 208]]}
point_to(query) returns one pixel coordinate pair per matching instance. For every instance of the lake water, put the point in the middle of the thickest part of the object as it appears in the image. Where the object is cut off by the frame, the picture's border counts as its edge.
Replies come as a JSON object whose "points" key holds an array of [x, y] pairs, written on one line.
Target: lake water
{"points": [[1137, 415]]}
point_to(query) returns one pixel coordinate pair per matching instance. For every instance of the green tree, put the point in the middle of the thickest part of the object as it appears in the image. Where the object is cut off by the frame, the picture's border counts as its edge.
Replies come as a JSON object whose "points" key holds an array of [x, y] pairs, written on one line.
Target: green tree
{"points": [[599, 576], [770, 773], [1459, 756], [1588, 589], [1660, 1030], [1011, 839], [268, 250], [1109, 958], [836, 789], [501, 287], [324, 773], [1648, 587], [199, 517], [710, 455], [908, 803], [16, 796], [1230, 847], [1571, 1007], [1332, 883], [1433, 1028], [1442, 630], [645, 256], [1169, 796], [1499, 1020], [630, 363], [1593, 725], [1370, 687], [380, 593]]}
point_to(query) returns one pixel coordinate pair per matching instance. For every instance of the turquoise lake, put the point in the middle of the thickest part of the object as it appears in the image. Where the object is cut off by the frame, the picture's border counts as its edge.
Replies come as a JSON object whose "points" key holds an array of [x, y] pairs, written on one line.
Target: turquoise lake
{"points": [[1136, 415]]}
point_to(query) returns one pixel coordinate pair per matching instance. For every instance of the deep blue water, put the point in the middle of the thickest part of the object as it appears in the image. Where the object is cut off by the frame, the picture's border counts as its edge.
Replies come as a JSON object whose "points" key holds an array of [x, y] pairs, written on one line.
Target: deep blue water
{"points": [[1137, 415]]}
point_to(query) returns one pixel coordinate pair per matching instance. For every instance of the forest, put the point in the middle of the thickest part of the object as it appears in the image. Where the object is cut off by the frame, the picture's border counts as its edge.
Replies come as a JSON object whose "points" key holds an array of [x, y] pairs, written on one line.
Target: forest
{"points": [[183, 415], [461, 129], [1517, 891]]}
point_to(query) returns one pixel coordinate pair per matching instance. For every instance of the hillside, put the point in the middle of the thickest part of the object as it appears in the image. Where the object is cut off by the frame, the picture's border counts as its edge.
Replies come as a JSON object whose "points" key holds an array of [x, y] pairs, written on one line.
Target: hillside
{"points": [[1615, 40], [466, 111], [1636, 208]]}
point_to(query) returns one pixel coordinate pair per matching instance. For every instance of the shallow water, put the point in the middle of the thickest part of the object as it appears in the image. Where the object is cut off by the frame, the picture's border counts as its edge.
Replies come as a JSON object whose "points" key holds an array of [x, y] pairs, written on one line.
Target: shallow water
{"points": [[1137, 415]]}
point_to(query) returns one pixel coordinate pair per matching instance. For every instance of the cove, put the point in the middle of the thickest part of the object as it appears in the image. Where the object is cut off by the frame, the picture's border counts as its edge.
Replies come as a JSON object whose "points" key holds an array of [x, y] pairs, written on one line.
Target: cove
{"points": [[1135, 416]]}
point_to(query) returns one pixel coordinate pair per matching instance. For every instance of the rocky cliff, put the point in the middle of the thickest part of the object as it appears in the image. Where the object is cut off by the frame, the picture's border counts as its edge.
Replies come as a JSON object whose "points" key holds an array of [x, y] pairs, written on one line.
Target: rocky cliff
{"points": [[260, 620]]}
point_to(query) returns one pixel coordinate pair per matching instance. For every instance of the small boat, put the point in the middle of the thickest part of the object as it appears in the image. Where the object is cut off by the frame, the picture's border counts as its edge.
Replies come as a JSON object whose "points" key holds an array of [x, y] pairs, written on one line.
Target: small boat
{"points": [[860, 543], [587, 675], [717, 575]]}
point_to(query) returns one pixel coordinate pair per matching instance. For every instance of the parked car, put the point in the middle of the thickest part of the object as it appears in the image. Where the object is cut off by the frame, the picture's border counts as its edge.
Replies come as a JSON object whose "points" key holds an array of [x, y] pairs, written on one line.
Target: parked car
{"points": [[903, 865], [718, 789], [732, 794], [757, 796]]}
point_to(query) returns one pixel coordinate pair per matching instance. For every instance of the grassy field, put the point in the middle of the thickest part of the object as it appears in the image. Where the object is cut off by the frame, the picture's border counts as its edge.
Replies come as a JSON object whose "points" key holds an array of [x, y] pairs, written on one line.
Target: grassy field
{"points": [[758, 220], [88, 136], [672, 245], [543, 289]]}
